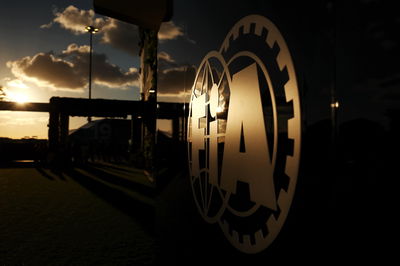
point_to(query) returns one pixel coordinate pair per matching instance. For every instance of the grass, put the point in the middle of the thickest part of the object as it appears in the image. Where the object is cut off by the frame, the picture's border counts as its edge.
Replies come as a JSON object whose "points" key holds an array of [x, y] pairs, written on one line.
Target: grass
{"points": [[79, 217]]}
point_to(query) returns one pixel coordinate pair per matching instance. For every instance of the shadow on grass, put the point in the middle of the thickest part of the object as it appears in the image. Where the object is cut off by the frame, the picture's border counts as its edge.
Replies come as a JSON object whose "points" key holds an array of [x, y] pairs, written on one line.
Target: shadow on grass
{"points": [[44, 174], [96, 181], [120, 181], [116, 167], [59, 174], [55, 173], [140, 212]]}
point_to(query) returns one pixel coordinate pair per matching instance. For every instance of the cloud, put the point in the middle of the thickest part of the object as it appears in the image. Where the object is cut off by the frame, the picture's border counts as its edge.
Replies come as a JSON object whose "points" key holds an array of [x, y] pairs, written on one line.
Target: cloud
{"points": [[45, 69], [11, 120], [165, 62], [176, 82], [16, 83], [69, 70], [120, 35], [164, 56], [15, 89], [169, 31], [125, 36], [75, 20], [104, 72], [181, 97]]}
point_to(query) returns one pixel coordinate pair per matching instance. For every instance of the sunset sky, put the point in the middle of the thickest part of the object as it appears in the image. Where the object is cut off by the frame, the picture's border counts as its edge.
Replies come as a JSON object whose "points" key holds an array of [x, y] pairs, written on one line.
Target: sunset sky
{"points": [[44, 52]]}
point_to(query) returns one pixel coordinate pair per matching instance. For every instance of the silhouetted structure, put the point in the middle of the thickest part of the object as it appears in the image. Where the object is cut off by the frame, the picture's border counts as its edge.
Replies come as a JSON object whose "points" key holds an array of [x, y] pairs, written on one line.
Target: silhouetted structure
{"points": [[28, 107], [60, 109], [101, 140], [22, 149]]}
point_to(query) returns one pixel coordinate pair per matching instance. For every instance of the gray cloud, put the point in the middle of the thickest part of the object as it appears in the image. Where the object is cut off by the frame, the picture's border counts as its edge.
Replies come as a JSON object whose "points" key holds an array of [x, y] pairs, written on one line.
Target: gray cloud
{"points": [[176, 81], [164, 56], [118, 34], [169, 31], [121, 35], [165, 62], [69, 70], [75, 20], [45, 69]]}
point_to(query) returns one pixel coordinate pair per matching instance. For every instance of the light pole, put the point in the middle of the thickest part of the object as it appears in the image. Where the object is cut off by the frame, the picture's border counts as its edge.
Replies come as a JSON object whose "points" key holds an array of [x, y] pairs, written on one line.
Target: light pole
{"points": [[91, 30]]}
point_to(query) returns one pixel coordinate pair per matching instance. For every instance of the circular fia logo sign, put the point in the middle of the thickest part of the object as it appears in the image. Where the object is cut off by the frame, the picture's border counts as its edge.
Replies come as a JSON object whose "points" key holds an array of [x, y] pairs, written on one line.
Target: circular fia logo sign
{"points": [[244, 133]]}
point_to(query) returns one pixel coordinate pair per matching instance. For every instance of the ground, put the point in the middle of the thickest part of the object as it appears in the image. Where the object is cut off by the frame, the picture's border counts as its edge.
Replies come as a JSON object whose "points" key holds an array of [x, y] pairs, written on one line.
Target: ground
{"points": [[97, 215]]}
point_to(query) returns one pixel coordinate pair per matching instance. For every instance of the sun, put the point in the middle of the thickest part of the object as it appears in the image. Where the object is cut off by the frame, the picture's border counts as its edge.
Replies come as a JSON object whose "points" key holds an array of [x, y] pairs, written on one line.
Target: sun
{"points": [[19, 98]]}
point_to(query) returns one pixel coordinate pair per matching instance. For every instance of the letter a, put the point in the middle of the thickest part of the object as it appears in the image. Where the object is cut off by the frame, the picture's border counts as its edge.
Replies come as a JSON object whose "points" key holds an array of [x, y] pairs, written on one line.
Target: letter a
{"points": [[246, 153]]}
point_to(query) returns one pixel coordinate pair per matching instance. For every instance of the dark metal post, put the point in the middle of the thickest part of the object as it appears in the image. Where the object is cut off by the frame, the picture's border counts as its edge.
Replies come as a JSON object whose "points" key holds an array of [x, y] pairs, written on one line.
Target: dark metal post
{"points": [[54, 130], [64, 126], [90, 70], [175, 128], [148, 66], [90, 66], [91, 30]]}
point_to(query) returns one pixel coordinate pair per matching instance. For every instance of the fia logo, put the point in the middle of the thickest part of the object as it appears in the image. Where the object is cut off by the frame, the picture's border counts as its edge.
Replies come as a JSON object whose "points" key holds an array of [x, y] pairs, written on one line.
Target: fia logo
{"points": [[244, 133]]}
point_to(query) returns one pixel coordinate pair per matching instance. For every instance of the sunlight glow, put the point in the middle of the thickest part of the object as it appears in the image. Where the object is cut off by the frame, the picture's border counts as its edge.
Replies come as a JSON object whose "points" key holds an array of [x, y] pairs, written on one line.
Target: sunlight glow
{"points": [[18, 97], [16, 83]]}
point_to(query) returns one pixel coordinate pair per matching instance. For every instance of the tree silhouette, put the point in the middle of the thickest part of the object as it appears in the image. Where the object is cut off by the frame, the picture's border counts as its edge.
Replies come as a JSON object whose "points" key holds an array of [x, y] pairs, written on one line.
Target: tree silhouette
{"points": [[2, 94]]}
